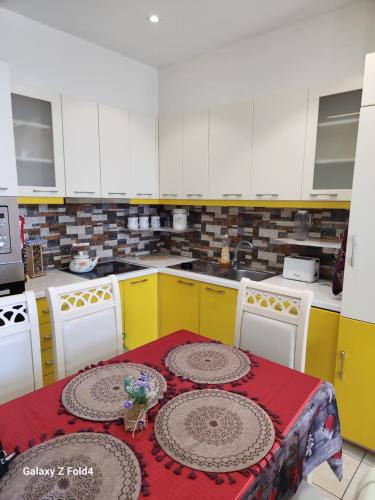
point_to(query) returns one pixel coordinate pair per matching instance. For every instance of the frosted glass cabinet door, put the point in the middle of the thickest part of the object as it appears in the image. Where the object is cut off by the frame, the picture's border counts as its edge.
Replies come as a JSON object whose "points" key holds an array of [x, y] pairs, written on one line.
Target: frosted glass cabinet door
{"points": [[37, 125], [331, 141]]}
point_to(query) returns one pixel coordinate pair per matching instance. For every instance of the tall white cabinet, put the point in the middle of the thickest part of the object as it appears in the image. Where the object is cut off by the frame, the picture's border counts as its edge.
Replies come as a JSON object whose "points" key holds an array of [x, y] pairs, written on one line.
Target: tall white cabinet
{"points": [[8, 176], [170, 156], [195, 155], [279, 133], [143, 153], [81, 148], [114, 139], [230, 132]]}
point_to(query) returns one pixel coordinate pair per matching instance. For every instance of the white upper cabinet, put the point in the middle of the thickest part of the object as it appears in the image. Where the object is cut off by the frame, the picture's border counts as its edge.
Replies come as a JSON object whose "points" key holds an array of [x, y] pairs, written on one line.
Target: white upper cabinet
{"points": [[170, 156], [38, 140], [279, 131], [114, 137], [230, 151], [8, 173], [195, 155], [368, 97], [332, 128], [143, 151], [81, 148]]}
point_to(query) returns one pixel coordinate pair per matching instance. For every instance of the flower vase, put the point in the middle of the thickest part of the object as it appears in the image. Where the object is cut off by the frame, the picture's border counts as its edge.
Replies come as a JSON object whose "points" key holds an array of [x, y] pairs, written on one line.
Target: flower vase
{"points": [[135, 418]]}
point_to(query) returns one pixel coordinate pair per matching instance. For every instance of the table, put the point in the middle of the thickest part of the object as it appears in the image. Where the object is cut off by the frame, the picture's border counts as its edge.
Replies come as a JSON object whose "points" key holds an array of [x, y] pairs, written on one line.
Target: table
{"points": [[305, 405]]}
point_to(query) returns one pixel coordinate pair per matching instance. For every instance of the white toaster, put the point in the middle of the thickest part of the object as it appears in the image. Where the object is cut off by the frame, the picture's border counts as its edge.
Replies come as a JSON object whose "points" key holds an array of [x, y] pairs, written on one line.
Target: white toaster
{"points": [[301, 268]]}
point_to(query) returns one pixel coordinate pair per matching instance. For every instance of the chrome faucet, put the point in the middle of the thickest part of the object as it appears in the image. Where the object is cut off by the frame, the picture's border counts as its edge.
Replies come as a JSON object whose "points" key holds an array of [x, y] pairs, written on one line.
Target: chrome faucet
{"points": [[235, 256]]}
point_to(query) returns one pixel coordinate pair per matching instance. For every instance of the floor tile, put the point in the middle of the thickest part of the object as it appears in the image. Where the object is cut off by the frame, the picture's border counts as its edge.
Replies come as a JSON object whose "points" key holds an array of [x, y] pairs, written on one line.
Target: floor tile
{"points": [[353, 450], [325, 478], [369, 458], [350, 492], [325, 493]]}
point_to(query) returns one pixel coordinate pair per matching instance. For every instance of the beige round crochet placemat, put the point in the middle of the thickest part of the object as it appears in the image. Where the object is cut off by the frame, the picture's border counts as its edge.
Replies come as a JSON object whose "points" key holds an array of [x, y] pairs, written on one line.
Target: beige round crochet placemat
{"points": [[208, 362], [84, 466], [214, 431], [98, 394]]}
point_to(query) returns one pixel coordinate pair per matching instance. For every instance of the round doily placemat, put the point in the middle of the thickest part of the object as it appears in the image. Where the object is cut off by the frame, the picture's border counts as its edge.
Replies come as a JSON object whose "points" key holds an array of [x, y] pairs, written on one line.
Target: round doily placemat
{"points": [[208, 363], [84, 466], [214, 431], [98, 394]]}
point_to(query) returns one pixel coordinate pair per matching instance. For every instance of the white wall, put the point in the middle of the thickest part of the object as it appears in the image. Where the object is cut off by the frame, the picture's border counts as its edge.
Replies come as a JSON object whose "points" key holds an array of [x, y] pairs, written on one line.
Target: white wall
{"points": [[318, 52], [44, 57]]}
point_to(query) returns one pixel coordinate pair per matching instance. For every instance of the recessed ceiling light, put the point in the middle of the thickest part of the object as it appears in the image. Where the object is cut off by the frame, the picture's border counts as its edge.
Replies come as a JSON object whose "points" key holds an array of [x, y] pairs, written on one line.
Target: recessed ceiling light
{"points": [[154, 18]]}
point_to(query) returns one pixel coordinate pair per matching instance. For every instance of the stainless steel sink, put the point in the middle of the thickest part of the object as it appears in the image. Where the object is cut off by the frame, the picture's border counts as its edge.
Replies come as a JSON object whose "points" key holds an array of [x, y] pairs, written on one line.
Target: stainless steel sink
{"points": [[252, 274]]}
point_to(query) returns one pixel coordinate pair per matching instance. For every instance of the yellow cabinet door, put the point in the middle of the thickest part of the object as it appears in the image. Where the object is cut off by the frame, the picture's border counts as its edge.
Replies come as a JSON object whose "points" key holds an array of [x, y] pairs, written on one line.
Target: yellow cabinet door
{"points": [[141, 310], [355, 381], [322, 344], [178, 304], [218, 312]]}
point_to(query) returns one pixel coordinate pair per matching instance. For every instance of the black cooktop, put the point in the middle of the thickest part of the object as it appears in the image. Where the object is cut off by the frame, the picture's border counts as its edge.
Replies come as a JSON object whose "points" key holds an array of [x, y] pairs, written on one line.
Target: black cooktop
{"points": [[107, 268]]}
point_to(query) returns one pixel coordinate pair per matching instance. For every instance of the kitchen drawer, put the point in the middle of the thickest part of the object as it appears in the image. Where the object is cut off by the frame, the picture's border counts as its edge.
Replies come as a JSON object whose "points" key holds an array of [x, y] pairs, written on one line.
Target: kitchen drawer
{"points": [[43, 311], [45, 332], [48, 362], [49, 379]]}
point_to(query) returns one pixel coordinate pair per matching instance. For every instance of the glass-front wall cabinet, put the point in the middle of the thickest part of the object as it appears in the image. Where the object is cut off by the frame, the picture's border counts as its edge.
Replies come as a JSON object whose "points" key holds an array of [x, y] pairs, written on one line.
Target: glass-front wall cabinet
{"points": [[37, 128], [332, 130]]}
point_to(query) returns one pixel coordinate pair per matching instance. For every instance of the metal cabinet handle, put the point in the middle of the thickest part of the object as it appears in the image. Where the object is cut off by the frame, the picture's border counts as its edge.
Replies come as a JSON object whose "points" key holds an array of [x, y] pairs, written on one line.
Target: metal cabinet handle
{"points": [[232, 194], [49, 363], [3, 188], [144, 194], [353, 257], [47, 337], [45, 191], [137, 282], [221, 292], [194, 194], [330, 195], [84, 192], [273, 195], [342, 365], [110, 192], [185, 283], [169, 194]]}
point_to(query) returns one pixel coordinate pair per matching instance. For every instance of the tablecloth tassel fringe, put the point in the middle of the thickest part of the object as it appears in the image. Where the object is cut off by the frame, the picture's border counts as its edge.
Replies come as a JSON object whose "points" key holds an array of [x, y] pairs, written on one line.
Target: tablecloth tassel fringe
{"points": [[43, 437], [178, 470], [119, 421], [192, 474], [230, 478], [31, 443], [160, 458], [246, 472], [169, 464]]}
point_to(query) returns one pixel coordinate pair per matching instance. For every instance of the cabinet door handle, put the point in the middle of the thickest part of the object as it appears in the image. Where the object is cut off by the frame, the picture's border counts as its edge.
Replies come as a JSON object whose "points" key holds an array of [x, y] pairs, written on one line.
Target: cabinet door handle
{"points": [[47, 337], [45, 191], [232, 194], [49, 363], [84, 192], [137, 282], [221, 292], [3, 188], [342, 365], [144, 194], [329, 195], [194, 194], [353, 257], [122, 194], [185, 283], [272, 195], [170, 194]]}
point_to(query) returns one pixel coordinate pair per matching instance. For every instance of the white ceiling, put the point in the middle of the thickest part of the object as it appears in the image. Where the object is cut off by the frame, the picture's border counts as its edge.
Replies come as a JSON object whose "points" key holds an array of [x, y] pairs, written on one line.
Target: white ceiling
{"points": [[188, 27]]}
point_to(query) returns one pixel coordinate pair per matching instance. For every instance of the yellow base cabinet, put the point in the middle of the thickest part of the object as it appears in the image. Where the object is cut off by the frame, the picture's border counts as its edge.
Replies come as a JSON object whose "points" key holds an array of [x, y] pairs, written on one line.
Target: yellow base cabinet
{"points": [[46, 342], [178, 304], [355, 381], [141, 310], [322, 344], [218, 312]]}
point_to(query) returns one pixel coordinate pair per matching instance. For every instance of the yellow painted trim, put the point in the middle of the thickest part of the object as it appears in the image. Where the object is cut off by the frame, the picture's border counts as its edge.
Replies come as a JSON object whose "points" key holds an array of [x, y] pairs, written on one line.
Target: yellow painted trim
{"points": [[246, 203], [39, 200]]}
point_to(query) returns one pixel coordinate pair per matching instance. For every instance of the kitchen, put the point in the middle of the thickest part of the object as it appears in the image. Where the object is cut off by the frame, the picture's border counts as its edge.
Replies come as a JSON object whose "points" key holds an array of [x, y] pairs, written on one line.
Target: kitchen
{"points": [[153, 170]]}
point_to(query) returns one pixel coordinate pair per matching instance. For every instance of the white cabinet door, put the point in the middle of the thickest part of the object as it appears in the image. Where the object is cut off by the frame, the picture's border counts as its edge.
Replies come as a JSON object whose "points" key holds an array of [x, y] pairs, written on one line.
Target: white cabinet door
{"points": [[331, 137], [170, 157], [230, 151], [368, 96], [279, 130], [81, 148], [195, 155], [8, 172], [359, 267], [143, 148], [114, 138], [37, 124]]}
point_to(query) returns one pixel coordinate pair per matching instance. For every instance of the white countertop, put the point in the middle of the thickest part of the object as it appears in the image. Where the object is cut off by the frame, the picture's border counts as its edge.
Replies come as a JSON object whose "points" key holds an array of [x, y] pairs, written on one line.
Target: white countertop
{"points": [[323, 296], [164, 260]]}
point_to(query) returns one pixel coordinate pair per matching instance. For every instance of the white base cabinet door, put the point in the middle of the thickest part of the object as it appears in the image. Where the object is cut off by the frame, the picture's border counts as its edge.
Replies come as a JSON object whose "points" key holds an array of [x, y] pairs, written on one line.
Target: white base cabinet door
{"points": [[8, 172], [81, 148], [195, 155], [37, 124], [279, 131], [143, 153], [170, 157], [114, 138], [230, 151]]}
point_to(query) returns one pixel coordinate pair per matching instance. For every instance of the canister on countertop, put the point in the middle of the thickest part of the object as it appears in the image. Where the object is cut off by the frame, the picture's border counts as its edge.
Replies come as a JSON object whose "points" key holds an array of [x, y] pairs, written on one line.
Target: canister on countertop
{"points": [[180, 219]]}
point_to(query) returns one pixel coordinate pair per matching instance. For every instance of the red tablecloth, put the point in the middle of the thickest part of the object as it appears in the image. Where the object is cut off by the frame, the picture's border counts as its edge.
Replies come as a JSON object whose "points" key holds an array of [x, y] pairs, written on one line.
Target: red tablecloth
{"points": [[282, 390]]}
